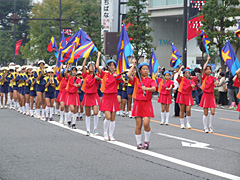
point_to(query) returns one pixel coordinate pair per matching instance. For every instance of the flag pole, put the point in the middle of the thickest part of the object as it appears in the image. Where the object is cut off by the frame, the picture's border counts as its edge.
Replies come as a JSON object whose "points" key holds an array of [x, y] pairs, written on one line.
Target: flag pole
{"points": [[185, 25]]}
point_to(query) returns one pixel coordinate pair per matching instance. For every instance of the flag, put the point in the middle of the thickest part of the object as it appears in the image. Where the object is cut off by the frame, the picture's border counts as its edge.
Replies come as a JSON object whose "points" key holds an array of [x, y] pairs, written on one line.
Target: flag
{"points": [[205, 40], [175, 57], [62, 45], [52, 46], [153, 65], [229, 58], [86, 48], [124, 50], [238, 31], [17, 47], [73, 43]]}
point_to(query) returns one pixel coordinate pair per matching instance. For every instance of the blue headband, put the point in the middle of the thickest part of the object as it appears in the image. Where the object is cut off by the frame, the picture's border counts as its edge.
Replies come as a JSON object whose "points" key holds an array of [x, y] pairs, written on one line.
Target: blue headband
{"points": [[143, 64], [186, 70], [111, 60], [167, 72]]}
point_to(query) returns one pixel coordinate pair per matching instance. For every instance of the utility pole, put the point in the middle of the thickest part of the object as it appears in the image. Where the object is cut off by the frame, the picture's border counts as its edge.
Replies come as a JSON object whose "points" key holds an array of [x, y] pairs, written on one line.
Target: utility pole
{"points": [[185, 34], [14, 32]]}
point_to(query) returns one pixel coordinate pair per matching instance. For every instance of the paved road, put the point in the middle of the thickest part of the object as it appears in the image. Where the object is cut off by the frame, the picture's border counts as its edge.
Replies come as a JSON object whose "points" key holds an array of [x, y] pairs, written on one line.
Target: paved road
{"points": [[34, 149]]}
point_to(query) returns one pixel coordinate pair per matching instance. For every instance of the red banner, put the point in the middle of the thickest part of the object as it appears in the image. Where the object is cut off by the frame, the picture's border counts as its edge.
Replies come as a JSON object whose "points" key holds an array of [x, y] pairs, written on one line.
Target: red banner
{"points": [[18, 45]]}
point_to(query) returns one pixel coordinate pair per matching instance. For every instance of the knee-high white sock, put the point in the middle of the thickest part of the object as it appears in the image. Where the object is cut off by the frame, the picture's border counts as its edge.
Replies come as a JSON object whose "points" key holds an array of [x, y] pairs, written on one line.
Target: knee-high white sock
{"points": [[162, 117], [74, 119], [43, 112], [23, 108], [27, 107], [167, 117], [10, 103], [70, 116], [38, 112], [95, 121], [47, 111], [106, 126], [188, 119], [138, 138], [182, 121], [211, 121], [61, 115], [147, 135], [66, 117], [81, 114], [51, 112], [111, 128], [87, 121], [15, 104], [205, 122]]}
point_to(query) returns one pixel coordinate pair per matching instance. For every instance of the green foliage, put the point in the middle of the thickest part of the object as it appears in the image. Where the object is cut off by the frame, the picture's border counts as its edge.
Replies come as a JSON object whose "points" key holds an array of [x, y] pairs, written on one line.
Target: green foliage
{"points": [[86, 15], [140, 31], [219, 16]]}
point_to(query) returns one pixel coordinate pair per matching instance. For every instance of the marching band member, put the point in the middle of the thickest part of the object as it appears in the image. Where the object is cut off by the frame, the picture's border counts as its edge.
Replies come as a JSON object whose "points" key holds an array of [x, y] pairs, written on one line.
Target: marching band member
{"points": [[208, 98], [165, 86], [100, 94], [4, 88], [10, 77], [33, 88], [236, 81], [19, 88], [1, 94], [50, 84], [184, 98], [27, 89], [130, 89], [142, 107], [81, 96], [39, 76], [109, 102], [124, 95], [72, 99]]}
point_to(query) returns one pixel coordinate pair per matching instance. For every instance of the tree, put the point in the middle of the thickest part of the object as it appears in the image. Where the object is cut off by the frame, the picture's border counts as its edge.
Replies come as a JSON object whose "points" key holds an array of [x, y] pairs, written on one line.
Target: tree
{"points": [[139, 31], [218, 17]]}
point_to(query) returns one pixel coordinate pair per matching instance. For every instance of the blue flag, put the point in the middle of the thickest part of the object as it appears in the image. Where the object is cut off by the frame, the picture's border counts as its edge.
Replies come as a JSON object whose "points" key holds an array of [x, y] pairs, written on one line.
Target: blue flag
{"points": [[153, 65], [175, 58]]}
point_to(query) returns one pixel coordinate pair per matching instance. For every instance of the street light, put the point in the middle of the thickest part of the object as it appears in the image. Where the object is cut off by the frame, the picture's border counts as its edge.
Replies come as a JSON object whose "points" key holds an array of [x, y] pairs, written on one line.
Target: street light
{"points": [[23, 35], [72, 23]]}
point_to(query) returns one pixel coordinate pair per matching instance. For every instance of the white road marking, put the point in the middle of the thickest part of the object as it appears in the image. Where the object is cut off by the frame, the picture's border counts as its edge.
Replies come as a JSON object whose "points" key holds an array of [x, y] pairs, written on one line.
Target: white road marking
{"points": [[195, 145], [157, 155]]}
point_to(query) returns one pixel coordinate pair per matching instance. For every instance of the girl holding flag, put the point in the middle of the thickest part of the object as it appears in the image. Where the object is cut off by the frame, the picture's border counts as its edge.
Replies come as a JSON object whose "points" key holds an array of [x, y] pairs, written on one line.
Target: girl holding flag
{"points": [[208, 98], [236, 81], [184, 98], [165, 86], [91, 99], [109, 102], [142, 107]]}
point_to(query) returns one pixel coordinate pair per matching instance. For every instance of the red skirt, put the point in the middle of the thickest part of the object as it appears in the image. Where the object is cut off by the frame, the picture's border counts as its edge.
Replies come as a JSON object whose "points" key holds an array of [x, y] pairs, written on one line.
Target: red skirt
{"points": [[61, 96], [110, 103], [91, 99], [208, 100], [142, 109], [185, 99], [165, 99], [72, 99]]}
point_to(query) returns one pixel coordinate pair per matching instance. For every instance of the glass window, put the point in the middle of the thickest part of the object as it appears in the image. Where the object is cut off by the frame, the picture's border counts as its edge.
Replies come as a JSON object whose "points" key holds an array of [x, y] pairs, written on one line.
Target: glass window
{"points": [[161, 3]]}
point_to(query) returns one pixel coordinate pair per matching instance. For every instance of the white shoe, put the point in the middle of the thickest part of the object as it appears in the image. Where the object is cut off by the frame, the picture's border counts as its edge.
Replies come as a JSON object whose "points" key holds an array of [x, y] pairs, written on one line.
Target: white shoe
{"points": [[105, 137], [111, 138], [5, 106], [88, 133], [43, 118], [182, 126], [210, 129], [127, 114], [58, 113], [99, 115], [61, 121], [24, 113], [161, 123], [206, 130], [31, 115], [21, 112], [28, 113], [123, 114], [36, 116], [189, 126], [1, 107], [118, 113], [130, 114]]}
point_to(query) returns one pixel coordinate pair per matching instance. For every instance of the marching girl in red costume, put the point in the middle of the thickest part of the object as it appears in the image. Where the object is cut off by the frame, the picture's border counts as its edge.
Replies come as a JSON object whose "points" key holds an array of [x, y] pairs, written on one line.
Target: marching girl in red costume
{"points": [[184, 98], [91, 99], [109, 102], [72, 99], [62, 78], [236, 81], [165, 86], [142, 107], [208, 99]]}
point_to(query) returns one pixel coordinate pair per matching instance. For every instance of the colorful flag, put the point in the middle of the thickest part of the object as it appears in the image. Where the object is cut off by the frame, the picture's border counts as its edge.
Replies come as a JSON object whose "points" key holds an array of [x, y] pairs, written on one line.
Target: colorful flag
{"points": [[205, 40], [238, 31], [17, 47], [175, 57], [86, 49], [153, 65], [229, 58], [52, 46], [62, 45], [124, 50]]}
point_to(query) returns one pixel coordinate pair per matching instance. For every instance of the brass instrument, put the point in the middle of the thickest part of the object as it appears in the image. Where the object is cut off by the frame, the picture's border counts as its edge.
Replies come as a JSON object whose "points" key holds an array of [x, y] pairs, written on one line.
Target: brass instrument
{"points": [[4, 75], [51, 79]]}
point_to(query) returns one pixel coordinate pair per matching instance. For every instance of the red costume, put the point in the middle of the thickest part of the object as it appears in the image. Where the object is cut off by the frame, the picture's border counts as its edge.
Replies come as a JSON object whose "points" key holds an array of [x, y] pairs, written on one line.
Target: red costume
{"points": [[208, 98], [62, 87], [237, 84], [72, 91], [165, 95], [142, 106]]}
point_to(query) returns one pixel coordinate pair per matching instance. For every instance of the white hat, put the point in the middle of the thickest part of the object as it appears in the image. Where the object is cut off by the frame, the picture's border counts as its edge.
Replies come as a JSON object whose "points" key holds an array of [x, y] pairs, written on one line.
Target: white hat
{"points": [[79, 72], [24, 67], [46, 65], [90, 62], [101, 67], [53, 66], [17, 66], [19, 69], [11, 64], [12, 68], [64, 66], [130, 65], [50, 70], [34, 70], [79, 67], [41, 61], [29, 67], [5, 68]]}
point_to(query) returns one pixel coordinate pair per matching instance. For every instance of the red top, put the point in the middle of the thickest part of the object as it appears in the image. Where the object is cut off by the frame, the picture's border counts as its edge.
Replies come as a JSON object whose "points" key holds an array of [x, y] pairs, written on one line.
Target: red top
{"points": [[111, 82], [72, 89], [63, 82], [147, 82], [163, 87], [208, 83], [195, 80], [91, 83], [185, 86], [237, 82]]}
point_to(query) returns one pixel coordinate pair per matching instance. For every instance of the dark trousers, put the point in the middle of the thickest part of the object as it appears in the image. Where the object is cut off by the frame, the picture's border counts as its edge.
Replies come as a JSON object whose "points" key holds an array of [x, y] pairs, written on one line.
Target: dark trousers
{"points": [[176, 106], [223, 98]]}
